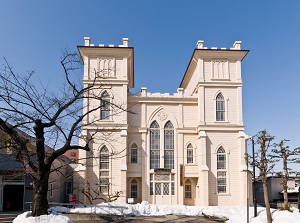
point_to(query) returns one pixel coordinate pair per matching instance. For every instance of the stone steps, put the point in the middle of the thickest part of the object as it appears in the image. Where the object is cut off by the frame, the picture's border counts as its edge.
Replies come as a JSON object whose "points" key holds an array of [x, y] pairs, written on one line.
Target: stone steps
{"points": [[8, 217]]}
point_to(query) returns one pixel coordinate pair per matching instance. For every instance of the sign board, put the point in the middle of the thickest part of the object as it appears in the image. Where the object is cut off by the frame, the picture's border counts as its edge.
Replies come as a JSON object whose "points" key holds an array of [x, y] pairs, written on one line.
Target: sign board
{"points": [[130, 200], [162, 170], [72, 198], [181, 169]]}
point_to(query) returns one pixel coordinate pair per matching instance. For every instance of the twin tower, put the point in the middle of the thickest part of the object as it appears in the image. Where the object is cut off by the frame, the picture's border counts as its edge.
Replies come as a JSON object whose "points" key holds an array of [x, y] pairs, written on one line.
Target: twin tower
{"points": [[183, 148]]}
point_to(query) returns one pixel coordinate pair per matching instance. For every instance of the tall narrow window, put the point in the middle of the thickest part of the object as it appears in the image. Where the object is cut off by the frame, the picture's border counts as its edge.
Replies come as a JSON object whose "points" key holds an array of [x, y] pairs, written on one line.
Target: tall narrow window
{"points": [[169, 146], [221, 159], [51, 190], [134, 153], [104, 170], [220, 108], [221, 170], [133, 189], [105, 106], [154, 145], [158, 188], [190, 154], [188, 189]]}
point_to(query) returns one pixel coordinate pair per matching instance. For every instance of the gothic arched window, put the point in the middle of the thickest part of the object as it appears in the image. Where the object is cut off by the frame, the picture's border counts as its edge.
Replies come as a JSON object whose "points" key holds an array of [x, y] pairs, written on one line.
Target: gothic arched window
{"points": [[221, 170], [220, 107], [169, 146], [154, 145], [188, 189], [134, 153], [105, 106], [104, 170], [190, 154]]}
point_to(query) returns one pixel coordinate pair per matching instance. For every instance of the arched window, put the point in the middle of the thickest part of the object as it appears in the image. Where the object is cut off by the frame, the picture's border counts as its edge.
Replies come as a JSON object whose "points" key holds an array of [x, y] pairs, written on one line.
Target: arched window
{"points": [[221, 170], [220, 108], [221, 159], [104, 170], [105, 106], [134, 153], [188, 189], [154, 145], [133, 189], [189, 154], [169, 146]]}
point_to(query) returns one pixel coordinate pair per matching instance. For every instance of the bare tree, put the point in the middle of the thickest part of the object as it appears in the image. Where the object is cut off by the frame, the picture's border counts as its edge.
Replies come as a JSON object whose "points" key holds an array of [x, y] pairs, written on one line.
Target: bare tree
{"points": [[265, 164], [52, 118], [281, 151], [94, 193]]}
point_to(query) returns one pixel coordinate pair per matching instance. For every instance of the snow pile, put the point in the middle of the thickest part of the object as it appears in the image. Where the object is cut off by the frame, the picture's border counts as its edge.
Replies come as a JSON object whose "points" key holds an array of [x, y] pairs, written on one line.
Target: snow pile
{"points": [[154, 209], [53, 217], [235, 214], [292, 190]]}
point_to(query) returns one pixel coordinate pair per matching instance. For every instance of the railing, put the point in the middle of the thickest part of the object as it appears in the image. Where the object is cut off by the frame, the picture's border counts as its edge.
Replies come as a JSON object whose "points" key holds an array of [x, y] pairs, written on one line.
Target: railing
{"points": [[291, 204], [93, 207]]}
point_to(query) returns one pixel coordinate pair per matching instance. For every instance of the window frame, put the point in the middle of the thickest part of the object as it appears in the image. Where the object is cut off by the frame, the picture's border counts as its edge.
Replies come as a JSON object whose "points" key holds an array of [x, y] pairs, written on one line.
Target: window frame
{"points": [[105, 106], [169, 145], [154, 145], [220, 108], [134, 154], [190, 154], [132, 192], [104, 162], [222, 181], [69, 187], [188, 189], [51, 190]]}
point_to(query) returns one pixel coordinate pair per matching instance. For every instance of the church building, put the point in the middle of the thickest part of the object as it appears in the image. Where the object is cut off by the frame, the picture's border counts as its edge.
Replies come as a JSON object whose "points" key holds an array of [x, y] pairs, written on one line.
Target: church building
{"points": [[183, 148]]}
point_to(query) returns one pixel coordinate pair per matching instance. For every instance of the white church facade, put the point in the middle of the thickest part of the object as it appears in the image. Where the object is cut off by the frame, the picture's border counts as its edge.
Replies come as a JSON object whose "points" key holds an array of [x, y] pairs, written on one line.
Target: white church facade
{"points": [[186, 148]]}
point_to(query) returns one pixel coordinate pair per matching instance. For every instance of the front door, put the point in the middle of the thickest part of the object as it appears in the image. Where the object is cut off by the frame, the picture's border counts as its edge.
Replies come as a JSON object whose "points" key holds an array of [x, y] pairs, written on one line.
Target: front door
{"points": [[13, 197], [162, 193], [162, 187]]}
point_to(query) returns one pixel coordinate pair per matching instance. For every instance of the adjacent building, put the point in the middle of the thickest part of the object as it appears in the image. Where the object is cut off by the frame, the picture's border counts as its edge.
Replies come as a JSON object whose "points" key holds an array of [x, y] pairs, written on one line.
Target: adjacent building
{"points": [[183, 148], [16, 187]]}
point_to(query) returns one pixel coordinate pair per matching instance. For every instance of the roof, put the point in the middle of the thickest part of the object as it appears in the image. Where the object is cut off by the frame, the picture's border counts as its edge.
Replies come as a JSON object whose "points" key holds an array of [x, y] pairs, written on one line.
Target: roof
{"points": [[9, 162]]}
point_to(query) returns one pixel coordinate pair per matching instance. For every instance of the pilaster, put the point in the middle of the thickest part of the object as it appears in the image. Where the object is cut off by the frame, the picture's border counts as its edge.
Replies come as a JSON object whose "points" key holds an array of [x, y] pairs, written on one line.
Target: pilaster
{"points": [[180, 153], [145, 168], [124, 165], [201, 105], [203, 181]]}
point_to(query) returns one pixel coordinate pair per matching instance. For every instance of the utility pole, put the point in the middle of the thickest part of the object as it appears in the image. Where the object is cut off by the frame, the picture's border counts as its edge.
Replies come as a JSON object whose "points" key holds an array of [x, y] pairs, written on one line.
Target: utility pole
{"points": [[254, 180]]}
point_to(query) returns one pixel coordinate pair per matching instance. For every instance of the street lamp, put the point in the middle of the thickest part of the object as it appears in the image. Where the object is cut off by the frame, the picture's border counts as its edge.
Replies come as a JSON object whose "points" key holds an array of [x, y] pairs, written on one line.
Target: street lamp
{"points": [[247, 177]]}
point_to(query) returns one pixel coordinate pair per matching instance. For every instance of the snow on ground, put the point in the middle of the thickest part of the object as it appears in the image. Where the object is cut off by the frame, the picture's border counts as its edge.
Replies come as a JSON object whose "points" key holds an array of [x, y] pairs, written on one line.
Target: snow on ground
{"points": [[53, 217], [235, 214]]}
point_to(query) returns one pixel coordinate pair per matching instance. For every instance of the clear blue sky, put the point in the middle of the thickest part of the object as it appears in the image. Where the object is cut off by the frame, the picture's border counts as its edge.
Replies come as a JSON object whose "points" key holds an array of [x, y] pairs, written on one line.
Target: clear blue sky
{"points": [[164, 34]]}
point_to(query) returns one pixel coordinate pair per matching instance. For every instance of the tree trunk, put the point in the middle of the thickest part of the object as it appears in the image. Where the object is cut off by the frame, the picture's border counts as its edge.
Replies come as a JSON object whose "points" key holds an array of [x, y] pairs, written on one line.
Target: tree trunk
{"points": [[266, 198], [39, 198], [299, 198], [40, 182], [284, 182]]}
